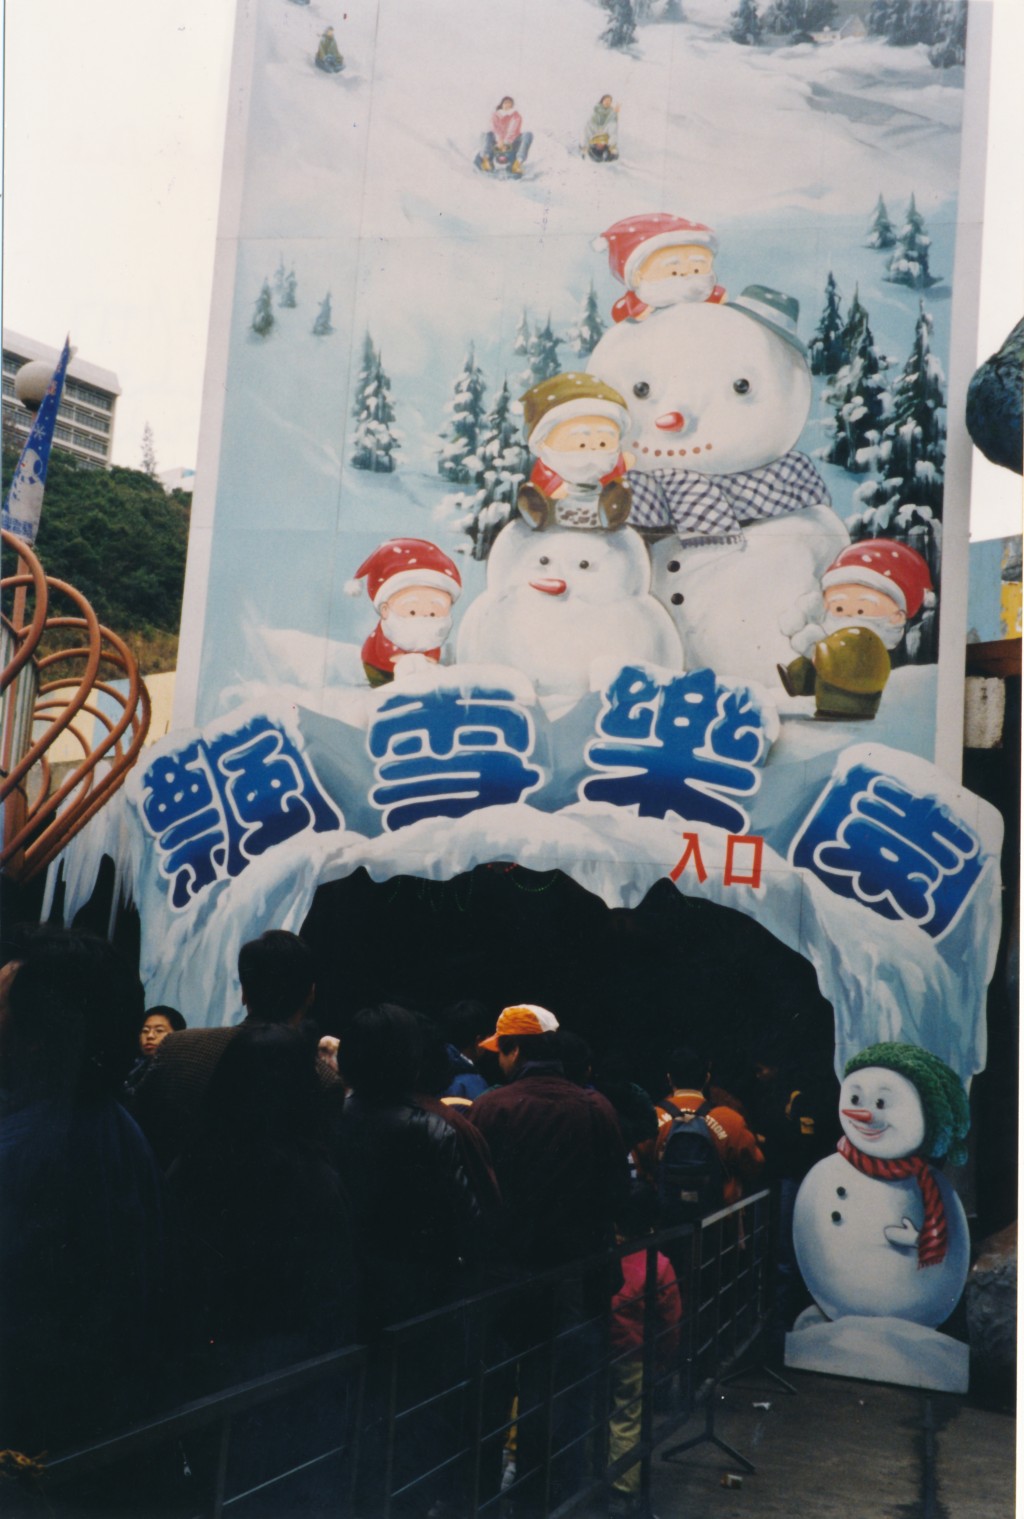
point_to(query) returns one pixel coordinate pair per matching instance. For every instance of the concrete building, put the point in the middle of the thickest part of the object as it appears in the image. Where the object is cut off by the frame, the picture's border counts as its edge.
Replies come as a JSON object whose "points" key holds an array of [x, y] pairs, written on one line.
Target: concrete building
{"points": [[85, 422]]}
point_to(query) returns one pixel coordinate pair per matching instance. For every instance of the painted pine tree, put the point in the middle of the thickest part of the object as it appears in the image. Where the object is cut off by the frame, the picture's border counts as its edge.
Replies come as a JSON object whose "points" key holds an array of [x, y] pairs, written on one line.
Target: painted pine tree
{"points": [[950, 45], [589, 328], [908, 263], [621, 29], [826, 349], [374, 440], [460, 442], [542, 355], [289, 286], [521, 341], [745, 23], [881, 233], [859, 396], [322, 327], [263, 315]]}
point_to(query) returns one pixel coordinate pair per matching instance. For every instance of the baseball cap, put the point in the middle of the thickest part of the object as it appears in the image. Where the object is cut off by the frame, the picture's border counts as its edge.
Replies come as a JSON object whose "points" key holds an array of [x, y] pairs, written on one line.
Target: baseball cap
{"points": [[520, 1020]]}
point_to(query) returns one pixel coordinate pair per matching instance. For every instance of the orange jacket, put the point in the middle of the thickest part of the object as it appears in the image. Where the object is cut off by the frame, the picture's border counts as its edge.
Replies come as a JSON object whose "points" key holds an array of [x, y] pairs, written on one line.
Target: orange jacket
{"points": [[738, 1149]]}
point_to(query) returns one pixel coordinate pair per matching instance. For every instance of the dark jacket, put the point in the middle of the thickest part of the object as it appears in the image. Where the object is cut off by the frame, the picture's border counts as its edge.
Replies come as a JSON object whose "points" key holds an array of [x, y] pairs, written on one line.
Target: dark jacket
{"points": [[416, 1216], [560, 1161]]}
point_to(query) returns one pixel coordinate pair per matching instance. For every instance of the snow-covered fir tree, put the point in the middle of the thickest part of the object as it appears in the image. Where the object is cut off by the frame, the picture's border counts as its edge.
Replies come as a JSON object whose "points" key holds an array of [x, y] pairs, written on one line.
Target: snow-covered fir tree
{"points": [[906, 23], [148, 452], [859, 397], [521, 341], [745, 23], [912, 452], [263, 316], [784, 16], [881, 233], [826, 350], [950, 46], [672, 11], [460, 441], [279, 277], [908, 262], [542, 355], [589, 328], [621, 29], [322, 327], [504, 460], [289, 285], [374, 440]]}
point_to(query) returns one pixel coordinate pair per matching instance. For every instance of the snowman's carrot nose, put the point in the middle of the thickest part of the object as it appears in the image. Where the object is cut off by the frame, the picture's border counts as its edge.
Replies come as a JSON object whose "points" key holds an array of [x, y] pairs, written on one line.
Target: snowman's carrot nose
{"points": [[859, 1115], [549, 587], [672, 421]]}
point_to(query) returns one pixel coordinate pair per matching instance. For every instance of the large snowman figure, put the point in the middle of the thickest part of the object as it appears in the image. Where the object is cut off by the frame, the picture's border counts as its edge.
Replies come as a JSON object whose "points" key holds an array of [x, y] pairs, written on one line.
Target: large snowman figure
{"points": [[559, 599], [742, 524], [878, 1234]]}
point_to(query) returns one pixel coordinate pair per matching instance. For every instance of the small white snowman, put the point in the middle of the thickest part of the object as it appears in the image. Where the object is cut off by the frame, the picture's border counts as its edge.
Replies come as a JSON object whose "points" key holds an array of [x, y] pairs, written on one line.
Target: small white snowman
{"points": [[559, 599], [718, 395], [877, 1232]]}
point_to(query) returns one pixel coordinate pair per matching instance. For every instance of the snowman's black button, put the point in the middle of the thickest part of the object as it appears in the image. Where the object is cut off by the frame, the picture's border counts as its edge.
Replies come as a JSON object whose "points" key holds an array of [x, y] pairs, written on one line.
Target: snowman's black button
{"points": [[837, 1218], [840, 1191], [677, 598], [673, 566]]}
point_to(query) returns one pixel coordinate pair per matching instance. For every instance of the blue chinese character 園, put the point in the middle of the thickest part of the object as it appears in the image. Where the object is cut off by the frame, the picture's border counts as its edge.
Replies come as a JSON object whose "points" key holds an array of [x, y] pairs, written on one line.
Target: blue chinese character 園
{"points": [[445, 753], [219, 803], [905, 856], [688, 746]]}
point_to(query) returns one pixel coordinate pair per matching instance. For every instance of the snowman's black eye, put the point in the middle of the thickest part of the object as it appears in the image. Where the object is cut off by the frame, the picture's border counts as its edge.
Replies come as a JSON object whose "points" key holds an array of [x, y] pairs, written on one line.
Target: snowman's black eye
{"points": [[641, 389], [544, 559], [677, 598], [880, 1103], [584, 564], [854, 1100], [741, 387], [673, 565]]}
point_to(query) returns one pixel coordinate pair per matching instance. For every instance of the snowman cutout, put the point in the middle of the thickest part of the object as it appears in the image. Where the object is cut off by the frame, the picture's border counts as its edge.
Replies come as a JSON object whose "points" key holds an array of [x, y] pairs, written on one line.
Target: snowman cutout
{"points": [[740, 524], [558, 600], [880, 1237]]}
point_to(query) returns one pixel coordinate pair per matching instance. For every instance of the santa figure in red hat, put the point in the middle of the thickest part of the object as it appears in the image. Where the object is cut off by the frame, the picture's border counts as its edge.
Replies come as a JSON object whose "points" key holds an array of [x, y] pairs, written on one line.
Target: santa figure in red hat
{"points": [[662, 260], [842, 637], [413, 585]]}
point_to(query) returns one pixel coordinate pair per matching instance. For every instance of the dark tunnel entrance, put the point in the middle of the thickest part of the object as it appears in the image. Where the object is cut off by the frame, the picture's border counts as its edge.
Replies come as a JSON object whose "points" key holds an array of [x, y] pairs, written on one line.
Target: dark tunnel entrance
{"points": [[675, 969]]}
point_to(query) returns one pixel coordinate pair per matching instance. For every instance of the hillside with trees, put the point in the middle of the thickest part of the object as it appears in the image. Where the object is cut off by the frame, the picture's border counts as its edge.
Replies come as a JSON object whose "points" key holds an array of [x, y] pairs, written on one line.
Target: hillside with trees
{"points": [[120, 539]]}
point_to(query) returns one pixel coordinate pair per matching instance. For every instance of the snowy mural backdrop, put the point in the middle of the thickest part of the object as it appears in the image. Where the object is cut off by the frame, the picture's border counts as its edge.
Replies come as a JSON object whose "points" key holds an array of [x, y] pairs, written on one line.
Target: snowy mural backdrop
{"points": [[573, 494]]}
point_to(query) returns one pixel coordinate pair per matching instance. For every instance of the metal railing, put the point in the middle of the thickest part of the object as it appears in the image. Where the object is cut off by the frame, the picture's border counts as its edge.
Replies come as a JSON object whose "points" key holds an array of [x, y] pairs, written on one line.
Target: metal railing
{"points": [[432, 1415]]}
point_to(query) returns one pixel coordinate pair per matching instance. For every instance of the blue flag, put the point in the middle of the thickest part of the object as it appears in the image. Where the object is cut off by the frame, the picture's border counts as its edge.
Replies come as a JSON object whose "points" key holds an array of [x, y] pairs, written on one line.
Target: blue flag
{"points": [[23, 504]]}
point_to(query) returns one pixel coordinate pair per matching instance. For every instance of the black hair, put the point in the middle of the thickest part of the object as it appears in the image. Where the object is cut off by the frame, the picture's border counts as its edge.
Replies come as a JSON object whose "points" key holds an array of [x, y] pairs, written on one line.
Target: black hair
{"points": [[380, 1052], [277, 975], [464, 1021], [435, 1069], [531, 1046], [174, 1018], [687, 1068], [75, 1007]]}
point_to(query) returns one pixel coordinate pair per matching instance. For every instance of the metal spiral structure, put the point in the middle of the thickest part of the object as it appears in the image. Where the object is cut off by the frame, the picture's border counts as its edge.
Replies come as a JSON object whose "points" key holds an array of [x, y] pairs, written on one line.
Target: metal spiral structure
{"points": [[48, 691]]}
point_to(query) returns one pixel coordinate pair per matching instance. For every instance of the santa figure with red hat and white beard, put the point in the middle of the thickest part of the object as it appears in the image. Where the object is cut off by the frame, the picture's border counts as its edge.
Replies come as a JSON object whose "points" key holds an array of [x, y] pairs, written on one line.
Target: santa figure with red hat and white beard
{"points": [[842, 636], [413, 586], [662, 260]]}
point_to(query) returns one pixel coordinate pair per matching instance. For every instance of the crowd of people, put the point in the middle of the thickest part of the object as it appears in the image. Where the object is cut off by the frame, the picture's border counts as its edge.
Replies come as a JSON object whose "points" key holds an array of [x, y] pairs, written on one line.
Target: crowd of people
{"points": [[182, 1208]]}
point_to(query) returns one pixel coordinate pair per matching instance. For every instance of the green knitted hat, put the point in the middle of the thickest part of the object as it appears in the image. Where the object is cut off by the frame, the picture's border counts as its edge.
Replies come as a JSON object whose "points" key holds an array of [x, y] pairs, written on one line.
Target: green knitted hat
{"points": [[947, 1114]]}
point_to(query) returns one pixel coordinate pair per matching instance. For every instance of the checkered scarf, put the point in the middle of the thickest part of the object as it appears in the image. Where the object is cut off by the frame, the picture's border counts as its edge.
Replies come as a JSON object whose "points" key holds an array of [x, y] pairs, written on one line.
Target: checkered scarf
{"points": [[715, 506]]}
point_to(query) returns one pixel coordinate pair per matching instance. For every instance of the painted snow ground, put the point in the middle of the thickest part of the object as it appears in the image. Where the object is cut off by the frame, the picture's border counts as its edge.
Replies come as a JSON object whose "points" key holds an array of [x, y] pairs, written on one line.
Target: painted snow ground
{"points": [[364, 183]]}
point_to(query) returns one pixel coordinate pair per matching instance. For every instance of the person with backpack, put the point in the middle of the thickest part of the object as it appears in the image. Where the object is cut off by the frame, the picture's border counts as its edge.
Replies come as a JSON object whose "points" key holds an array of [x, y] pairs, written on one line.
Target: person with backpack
{"points": [[705, 1156]]}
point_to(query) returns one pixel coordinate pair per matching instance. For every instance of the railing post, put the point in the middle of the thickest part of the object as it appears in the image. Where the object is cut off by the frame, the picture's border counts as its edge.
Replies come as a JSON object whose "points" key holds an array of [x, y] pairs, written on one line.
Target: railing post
{"points": [[220, 1481]]}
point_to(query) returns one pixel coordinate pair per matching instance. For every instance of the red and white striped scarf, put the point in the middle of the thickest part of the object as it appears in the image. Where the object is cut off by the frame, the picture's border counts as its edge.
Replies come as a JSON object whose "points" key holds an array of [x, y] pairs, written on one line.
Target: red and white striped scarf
{"points": [[933, 1238]]}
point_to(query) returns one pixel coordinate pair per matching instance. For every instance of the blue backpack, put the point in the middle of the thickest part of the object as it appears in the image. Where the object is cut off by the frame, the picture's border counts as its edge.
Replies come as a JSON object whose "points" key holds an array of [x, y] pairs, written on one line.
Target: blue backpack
{"points": [[690, 1177]]}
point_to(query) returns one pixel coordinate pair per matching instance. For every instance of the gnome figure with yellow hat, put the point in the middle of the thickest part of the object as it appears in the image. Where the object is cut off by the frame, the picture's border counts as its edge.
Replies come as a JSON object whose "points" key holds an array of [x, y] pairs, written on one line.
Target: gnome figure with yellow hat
{"points": [[574, 425]]}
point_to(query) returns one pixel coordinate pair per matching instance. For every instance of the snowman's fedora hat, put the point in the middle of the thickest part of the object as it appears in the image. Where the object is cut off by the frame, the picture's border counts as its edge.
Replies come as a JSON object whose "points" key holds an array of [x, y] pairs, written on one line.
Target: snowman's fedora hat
{"points": [[772, 309]]}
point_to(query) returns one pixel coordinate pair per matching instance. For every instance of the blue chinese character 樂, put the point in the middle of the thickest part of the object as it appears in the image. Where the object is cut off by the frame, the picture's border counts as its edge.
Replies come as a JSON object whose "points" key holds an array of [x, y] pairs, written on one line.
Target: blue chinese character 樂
{"points": [[688, 746], [219, 803], [445, 753], [906, 857]]}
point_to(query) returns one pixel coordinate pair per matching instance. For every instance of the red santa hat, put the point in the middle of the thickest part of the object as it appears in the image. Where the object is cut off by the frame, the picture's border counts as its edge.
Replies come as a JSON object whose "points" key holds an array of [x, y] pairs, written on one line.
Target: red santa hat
{"points": [[884, 565], [403, 562], [629, 241]]}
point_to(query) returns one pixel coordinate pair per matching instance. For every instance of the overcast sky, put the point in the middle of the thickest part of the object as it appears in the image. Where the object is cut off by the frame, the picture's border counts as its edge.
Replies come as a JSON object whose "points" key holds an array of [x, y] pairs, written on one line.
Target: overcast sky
{"points": [[112, 178]]}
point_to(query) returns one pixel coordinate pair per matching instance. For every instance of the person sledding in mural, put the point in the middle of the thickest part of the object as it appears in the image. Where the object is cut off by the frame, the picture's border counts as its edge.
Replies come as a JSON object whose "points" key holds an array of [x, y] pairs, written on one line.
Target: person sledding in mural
{"points": [[574, 425], [506, 145], [601, 133], [328, 57], [843, 637], [413, 586], [662, 260]]}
